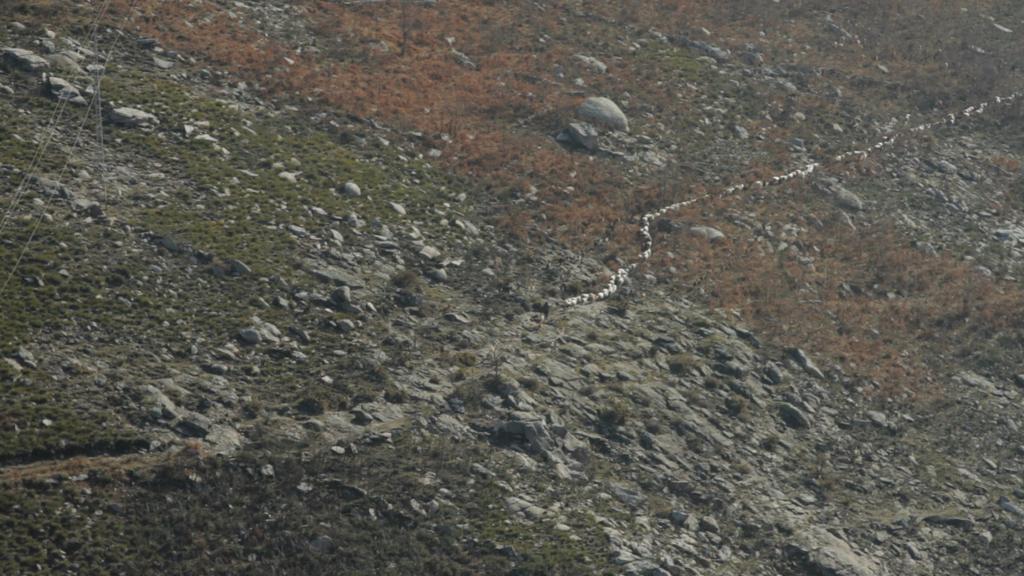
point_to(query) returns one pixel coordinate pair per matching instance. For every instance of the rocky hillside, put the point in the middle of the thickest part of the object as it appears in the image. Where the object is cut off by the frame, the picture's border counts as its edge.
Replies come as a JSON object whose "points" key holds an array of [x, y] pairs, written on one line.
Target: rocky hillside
{"points": [[284, 288]]}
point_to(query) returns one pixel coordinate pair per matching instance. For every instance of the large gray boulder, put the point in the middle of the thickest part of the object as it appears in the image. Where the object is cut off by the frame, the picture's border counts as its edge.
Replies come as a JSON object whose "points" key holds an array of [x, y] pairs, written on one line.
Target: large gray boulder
{"points": [[24, 59], [600, 110]]}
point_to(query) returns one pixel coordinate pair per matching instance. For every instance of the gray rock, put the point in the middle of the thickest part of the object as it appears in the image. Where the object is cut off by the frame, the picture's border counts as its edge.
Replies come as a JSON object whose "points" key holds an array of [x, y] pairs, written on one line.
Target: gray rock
{"points": [[463, 60], [322, 545], [708, 233], [131, 117], [603, 111], [351, 189], [526, 428], [333, 274], [65, 63], [193, 425], [804, 361], [13, 365], [946, 167], [158, 404], [216, 369], [457, 317], [592, 63], [250, 336], [22, 59], [1010, 507], [89, 207], [223, 440], [709, 524], [879, 419], [342, 296], [627, 496], [826, 554], [63, 90], [237, 267], [774, 374], [741, 132], [718, 54], [793, 416], [977, 381], [584, 135], [751, 58], [26, 358], [162, 64], [844, 198]]}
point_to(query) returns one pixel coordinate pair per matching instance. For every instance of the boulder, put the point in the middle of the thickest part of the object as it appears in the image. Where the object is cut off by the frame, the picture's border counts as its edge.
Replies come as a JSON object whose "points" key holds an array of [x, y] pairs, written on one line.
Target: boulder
{"points": [[592, 63], [583, 135], [22, 59], [603, 111], [708, 233], [824, 553], [131, 117], [61, 89]]}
